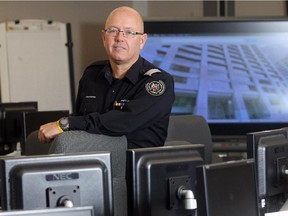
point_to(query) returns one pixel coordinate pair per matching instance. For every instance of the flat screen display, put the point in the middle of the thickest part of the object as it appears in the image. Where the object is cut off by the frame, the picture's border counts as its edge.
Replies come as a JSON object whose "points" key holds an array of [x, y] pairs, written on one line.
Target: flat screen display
{"points": [[155, 176], [74, 211], [227, 188], [269, 148], [227, 71], [57, 180]]}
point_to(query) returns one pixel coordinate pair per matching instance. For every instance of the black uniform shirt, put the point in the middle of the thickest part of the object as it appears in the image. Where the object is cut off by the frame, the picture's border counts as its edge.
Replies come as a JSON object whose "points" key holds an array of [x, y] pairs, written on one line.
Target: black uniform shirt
{"points": [[137, 106]]}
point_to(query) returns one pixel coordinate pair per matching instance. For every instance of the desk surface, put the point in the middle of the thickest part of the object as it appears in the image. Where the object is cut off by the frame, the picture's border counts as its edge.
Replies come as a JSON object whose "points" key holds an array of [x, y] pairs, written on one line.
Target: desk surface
{"points": [[281, 213]]}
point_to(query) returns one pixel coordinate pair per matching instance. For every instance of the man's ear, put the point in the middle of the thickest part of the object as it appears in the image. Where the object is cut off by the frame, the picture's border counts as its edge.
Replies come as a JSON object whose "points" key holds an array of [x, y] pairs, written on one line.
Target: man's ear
{"points": [[143, 40], [103, 35]]}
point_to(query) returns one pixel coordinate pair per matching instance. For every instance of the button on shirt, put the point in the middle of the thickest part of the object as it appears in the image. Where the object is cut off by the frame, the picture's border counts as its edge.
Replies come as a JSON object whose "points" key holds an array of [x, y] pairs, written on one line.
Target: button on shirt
{"points": [[137, 106]]}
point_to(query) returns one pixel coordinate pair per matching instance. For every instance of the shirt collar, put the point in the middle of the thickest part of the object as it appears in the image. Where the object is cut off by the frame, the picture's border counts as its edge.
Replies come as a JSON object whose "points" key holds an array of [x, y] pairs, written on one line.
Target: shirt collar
{"points": [[132, 74]]}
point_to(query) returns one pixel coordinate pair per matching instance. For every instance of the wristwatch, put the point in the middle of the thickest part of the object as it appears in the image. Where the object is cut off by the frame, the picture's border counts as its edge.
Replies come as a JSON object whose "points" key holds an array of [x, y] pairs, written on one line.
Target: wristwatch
{"points": [[64, 123]]}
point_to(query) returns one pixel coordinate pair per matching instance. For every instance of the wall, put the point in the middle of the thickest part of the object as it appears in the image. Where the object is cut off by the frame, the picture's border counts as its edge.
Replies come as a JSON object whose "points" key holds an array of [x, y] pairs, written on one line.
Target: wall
{"points": [[87, 18], [260, 8]]}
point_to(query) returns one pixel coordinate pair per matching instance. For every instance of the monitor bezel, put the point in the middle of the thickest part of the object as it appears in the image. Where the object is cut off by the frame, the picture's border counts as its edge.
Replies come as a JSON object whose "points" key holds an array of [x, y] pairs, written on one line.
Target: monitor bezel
{"points": [[143, 159], [206, 174], [264, 143], [54, 164], [11, 118], [60, 211]]}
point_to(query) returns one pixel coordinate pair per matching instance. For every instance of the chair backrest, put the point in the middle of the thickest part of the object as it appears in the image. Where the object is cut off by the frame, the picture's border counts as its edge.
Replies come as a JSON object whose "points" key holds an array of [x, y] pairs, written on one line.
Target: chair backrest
{"points": [[193, 129], [34, 147]]}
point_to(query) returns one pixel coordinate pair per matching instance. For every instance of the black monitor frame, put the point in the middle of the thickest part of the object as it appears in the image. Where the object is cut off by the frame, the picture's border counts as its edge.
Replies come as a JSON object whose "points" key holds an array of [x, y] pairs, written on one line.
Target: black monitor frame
{"points": [[11, 118], [218, 27], [60, 211], [269, 148], [31, 122], [85, 179], [155, 175], [227, 188]]}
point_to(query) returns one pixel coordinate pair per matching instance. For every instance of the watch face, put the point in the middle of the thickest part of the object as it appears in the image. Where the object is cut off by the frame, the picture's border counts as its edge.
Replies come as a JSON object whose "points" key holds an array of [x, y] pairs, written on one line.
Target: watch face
{"points": [[64, 123]]}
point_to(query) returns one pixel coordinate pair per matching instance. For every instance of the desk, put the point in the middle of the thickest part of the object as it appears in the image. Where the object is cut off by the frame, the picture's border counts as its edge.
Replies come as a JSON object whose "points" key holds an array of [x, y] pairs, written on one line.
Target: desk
{"points": [[280, 213]]}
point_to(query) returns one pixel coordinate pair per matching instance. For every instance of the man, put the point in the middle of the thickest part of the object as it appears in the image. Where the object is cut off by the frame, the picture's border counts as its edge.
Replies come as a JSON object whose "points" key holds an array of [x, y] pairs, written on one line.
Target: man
{"points": [[126, 95]]}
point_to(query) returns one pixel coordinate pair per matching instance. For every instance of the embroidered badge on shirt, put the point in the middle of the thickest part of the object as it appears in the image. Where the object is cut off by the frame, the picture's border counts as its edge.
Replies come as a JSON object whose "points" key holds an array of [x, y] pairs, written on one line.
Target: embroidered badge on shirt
{"points": [[155, 88]]}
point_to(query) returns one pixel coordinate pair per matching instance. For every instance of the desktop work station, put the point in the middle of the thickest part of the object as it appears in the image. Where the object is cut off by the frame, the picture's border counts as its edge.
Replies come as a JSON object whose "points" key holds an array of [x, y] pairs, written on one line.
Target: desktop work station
{"points": [[226, 151], [175, 179]]}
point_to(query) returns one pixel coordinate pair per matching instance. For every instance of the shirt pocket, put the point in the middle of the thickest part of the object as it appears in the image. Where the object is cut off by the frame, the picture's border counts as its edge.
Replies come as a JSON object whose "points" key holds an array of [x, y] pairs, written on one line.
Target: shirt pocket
{"points": [[89, 104]]}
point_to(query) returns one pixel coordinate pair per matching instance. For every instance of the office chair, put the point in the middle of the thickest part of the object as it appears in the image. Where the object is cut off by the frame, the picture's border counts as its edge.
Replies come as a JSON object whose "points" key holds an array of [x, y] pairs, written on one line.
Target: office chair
{"points": [[191, 129], [34, 147]]}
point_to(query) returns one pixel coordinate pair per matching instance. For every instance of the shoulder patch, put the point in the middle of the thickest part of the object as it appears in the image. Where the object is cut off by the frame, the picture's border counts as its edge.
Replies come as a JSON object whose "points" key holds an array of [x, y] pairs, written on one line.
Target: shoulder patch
{"points": [[152, 71], [155, 88]]}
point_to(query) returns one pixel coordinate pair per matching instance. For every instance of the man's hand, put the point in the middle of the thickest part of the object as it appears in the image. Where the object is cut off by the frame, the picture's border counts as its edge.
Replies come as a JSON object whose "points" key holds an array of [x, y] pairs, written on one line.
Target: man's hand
{"points": [[48, 132]]}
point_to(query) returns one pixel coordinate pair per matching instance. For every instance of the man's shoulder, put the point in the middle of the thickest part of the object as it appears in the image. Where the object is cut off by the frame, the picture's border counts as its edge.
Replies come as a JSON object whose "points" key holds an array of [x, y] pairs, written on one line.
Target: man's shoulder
{"points": [[96, 64], [157, 74], [95, 68], [151, 70]]}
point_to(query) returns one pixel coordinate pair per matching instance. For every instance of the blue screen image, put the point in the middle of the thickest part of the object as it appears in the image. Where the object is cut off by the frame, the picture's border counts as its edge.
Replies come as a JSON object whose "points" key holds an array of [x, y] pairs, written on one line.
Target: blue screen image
{"points": [[225, 78]]}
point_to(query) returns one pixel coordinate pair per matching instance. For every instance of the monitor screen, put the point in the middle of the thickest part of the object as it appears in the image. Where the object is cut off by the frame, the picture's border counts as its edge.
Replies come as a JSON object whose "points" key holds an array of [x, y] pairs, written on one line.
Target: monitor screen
{"points": [[269, 148], [60, 211], [49, 181], [232, 72], [227, 188], [156, 178], [11, 118]]}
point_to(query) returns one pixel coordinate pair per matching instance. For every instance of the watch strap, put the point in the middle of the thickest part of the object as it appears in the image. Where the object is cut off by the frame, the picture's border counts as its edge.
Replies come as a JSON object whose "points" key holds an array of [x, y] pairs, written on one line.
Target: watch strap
{"points": [[59, 127]]}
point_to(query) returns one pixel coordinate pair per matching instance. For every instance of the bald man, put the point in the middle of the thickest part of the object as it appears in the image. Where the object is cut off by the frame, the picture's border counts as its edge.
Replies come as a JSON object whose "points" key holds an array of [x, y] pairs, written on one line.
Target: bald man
{"points": [[123, 96]]}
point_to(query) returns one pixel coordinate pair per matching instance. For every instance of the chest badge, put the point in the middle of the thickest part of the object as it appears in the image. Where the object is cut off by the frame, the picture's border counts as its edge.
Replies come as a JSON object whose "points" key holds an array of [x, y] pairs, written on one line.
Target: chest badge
{"points": [[155, 88]]}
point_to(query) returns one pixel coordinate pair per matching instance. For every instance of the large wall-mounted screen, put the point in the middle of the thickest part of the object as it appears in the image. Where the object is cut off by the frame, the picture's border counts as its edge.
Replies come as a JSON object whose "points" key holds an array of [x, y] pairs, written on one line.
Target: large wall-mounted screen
{"points": [[232, 71]]}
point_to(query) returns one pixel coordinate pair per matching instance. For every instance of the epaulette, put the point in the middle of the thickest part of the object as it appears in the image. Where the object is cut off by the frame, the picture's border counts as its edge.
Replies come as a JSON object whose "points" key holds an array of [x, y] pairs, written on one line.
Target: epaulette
{"points": [[152, 71]]}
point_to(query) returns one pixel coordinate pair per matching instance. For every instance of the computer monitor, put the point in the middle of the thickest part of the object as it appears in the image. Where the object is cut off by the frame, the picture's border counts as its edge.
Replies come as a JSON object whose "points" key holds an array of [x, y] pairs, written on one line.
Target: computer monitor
{"points": [[49, 181], [60, 211], [32, 122], [11, 130], [227, 188], [161, 180], [233, 72], [269, 148]]}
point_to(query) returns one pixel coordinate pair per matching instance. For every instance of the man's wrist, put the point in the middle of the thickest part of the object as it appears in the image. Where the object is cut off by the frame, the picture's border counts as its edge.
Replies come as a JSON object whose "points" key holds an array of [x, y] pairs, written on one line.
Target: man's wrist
{"points": [[59, 127], [63, 124]]}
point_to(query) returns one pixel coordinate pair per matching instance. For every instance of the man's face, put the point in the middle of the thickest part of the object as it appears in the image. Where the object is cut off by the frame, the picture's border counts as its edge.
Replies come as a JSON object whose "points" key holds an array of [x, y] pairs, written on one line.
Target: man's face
{"points": [[121, 48]]}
